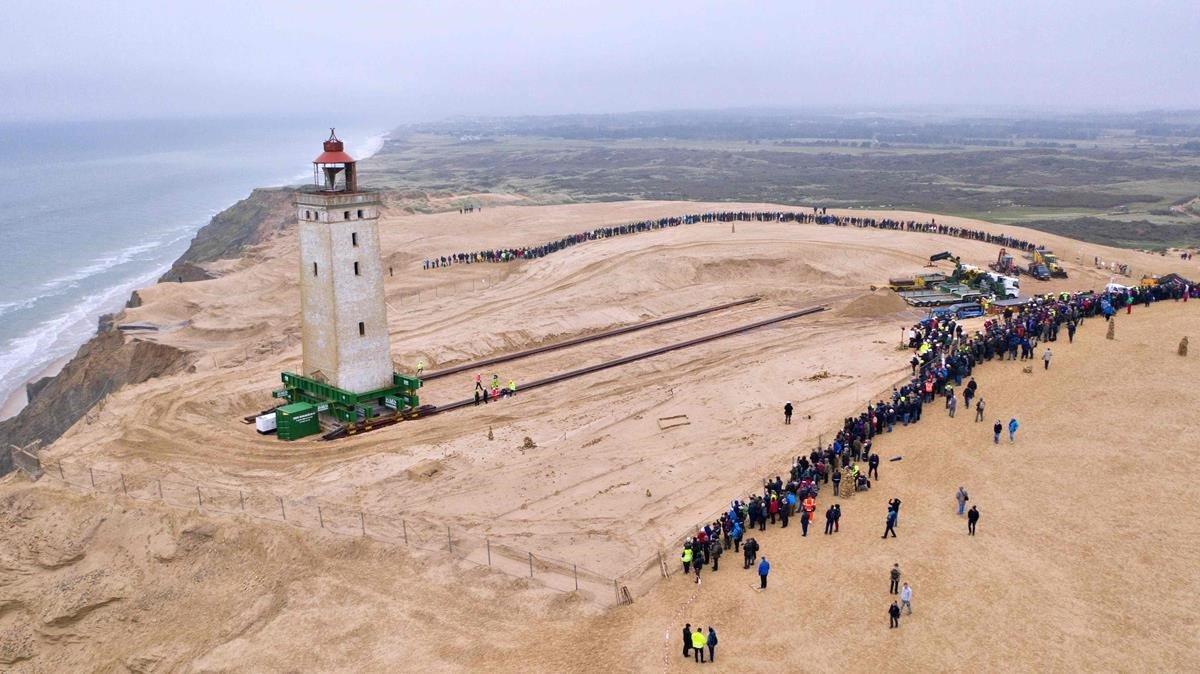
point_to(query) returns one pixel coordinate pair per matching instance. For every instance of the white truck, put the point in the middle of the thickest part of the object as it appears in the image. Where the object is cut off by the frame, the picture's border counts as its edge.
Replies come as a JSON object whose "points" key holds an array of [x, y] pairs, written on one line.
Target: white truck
{"points": [[1010, 284]]}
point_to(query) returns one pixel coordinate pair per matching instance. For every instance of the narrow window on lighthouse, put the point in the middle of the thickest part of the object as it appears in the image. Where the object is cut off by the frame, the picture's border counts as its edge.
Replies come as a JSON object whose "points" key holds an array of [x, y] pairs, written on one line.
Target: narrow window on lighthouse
{"points": [[314, 269], [362, 329], [353, 238], [345, 215], [360, 213], [356, 269]]}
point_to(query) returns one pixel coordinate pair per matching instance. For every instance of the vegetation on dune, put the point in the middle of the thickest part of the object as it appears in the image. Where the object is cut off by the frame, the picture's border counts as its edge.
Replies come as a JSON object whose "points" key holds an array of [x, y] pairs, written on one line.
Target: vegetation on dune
{"points": [[1029, 170]]}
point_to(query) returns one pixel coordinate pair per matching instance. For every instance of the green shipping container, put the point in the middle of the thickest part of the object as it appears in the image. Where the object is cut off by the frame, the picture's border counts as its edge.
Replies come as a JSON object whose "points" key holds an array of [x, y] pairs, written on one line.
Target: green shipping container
{"points": [[296, 421]]}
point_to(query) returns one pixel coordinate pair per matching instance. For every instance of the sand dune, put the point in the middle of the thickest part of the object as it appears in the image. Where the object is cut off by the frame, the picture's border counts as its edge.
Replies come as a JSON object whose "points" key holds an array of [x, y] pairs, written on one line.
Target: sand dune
{"points": [[607, 486]]}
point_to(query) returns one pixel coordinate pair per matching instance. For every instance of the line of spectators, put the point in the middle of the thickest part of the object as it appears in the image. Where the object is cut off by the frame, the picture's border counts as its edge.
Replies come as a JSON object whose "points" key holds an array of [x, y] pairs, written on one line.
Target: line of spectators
{"points": [[815, 216]]}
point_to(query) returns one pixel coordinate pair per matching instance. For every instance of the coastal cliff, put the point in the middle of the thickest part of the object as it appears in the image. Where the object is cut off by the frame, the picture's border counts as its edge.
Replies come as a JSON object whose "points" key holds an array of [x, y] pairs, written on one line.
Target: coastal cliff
{"points": [[110, 359], [244, 224]]}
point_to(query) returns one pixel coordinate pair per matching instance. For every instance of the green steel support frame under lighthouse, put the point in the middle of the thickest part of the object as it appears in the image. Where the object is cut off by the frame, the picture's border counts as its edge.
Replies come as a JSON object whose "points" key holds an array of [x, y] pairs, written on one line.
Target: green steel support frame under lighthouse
{"points": [[347, 368]]}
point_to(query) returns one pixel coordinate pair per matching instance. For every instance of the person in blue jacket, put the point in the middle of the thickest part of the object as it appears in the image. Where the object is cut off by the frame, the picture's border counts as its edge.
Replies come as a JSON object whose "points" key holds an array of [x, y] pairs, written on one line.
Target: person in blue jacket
{"points": [[1012, 429], [764, 567]]}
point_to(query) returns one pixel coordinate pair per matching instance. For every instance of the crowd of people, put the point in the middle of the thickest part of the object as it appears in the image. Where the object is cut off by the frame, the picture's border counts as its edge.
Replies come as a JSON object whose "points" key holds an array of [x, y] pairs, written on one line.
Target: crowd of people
{"points": [[817, 216], [945, 354]]}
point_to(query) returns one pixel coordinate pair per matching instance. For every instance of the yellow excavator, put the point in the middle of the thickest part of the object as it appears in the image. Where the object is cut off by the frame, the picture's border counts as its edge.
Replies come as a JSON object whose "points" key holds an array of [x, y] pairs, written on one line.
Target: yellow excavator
{"points": [[1049, 260]]}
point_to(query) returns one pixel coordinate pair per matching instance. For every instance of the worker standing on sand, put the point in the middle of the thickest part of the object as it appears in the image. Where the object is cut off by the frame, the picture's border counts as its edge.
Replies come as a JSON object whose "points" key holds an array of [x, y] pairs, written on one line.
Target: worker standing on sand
{"points": [[687, 640], [962, 499], [895, 577], [1012, 429], [699, 641], [787, 412], [1046, 358], [712, 644], [996, 432], [512, 388], [972, 519], [891, 524], [951, 405], [906, 599], [837, 482], [764, 567], [479, 382], [873, 466], [837, 516], [894, 614], [686, 557], [829, 521], [979, 410]]}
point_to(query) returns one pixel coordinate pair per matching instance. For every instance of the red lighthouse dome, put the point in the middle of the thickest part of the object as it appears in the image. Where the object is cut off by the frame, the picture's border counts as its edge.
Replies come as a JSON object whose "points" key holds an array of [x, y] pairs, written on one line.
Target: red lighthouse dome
{"points": [[333, 164]]}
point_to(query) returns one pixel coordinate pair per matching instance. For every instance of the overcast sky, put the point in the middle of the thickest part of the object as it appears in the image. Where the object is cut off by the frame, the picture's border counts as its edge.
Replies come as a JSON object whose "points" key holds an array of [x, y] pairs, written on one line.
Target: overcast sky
{"points": [[401, 61]]}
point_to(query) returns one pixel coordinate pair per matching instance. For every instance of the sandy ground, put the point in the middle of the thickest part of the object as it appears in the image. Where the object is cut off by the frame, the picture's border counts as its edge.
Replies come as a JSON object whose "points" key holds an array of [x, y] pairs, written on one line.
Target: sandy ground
{"points": [[1083, 560], [606, 487], [586, 483]]}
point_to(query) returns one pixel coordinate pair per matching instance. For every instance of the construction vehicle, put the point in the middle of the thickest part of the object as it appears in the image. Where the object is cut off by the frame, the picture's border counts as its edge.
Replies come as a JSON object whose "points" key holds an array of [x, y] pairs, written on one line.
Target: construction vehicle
{"points": [[1005, 264], [1039, 270], [916, 281], [1049, 261], [1002, 286]]}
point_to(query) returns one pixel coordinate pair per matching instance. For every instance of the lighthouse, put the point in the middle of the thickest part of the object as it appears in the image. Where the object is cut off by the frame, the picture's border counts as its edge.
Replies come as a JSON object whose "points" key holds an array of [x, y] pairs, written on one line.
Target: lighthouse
{"points": [[346, 374], [345, 334]]}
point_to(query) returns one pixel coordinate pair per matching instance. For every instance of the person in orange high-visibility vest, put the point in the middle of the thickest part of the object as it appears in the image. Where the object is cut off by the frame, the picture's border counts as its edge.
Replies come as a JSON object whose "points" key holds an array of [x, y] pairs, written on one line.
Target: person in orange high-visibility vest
{"points": [[810, 506]]}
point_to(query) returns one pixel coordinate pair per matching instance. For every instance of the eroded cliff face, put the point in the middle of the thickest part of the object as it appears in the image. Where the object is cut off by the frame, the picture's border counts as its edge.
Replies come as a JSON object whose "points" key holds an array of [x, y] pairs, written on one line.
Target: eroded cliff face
{"points": [[103, 365], [111, 360], [246, 223]]}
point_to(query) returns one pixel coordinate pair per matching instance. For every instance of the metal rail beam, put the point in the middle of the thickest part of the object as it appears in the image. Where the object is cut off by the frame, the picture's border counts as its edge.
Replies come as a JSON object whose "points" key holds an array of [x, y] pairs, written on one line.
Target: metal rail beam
{"points": [[586, 338], [562, 376]]}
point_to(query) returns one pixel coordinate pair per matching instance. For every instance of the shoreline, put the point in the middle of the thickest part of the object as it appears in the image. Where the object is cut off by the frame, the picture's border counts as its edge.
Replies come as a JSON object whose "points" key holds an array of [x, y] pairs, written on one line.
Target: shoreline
{"points": [[16, 399], [19, 399]]}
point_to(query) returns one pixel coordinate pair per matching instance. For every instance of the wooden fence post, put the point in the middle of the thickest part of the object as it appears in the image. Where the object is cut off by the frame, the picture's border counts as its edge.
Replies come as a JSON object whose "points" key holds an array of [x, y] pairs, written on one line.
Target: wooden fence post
{"points": [[242, 500], [362, 522], [405, 526], [531, 565], [449, 540], [199, 497], [160, 494], [61, 473], [320, 517], [281, 509], [489, 550], [92, 474], [575, 567], [124, 487]]}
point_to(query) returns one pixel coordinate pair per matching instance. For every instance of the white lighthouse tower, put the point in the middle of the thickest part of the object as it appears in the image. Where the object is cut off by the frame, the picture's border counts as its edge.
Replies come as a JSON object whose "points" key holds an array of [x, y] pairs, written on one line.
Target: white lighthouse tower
{"points": [[345, 333]]}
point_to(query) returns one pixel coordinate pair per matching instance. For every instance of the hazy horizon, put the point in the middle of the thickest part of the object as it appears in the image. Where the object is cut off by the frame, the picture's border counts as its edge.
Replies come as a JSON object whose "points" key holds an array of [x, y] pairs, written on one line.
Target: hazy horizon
{"points": [[392, 64]]}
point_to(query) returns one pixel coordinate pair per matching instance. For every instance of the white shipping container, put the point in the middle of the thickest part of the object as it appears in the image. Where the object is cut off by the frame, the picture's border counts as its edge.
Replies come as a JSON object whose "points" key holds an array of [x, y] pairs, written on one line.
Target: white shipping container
{"points": [[265, 423]]}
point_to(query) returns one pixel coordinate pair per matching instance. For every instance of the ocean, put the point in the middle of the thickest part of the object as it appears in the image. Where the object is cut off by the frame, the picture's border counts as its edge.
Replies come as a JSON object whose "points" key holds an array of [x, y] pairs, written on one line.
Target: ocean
{"points": [[90, 211]]}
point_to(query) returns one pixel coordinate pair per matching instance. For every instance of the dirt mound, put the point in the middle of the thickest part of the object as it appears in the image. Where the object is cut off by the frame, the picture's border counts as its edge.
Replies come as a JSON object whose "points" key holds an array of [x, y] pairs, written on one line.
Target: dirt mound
{"points": [[425, 470], [873, 305]]}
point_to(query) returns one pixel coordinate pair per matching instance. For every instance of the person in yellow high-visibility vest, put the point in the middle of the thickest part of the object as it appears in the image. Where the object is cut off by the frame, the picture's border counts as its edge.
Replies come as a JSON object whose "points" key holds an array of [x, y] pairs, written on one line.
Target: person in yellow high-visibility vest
{"points": [[512, 388]]}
